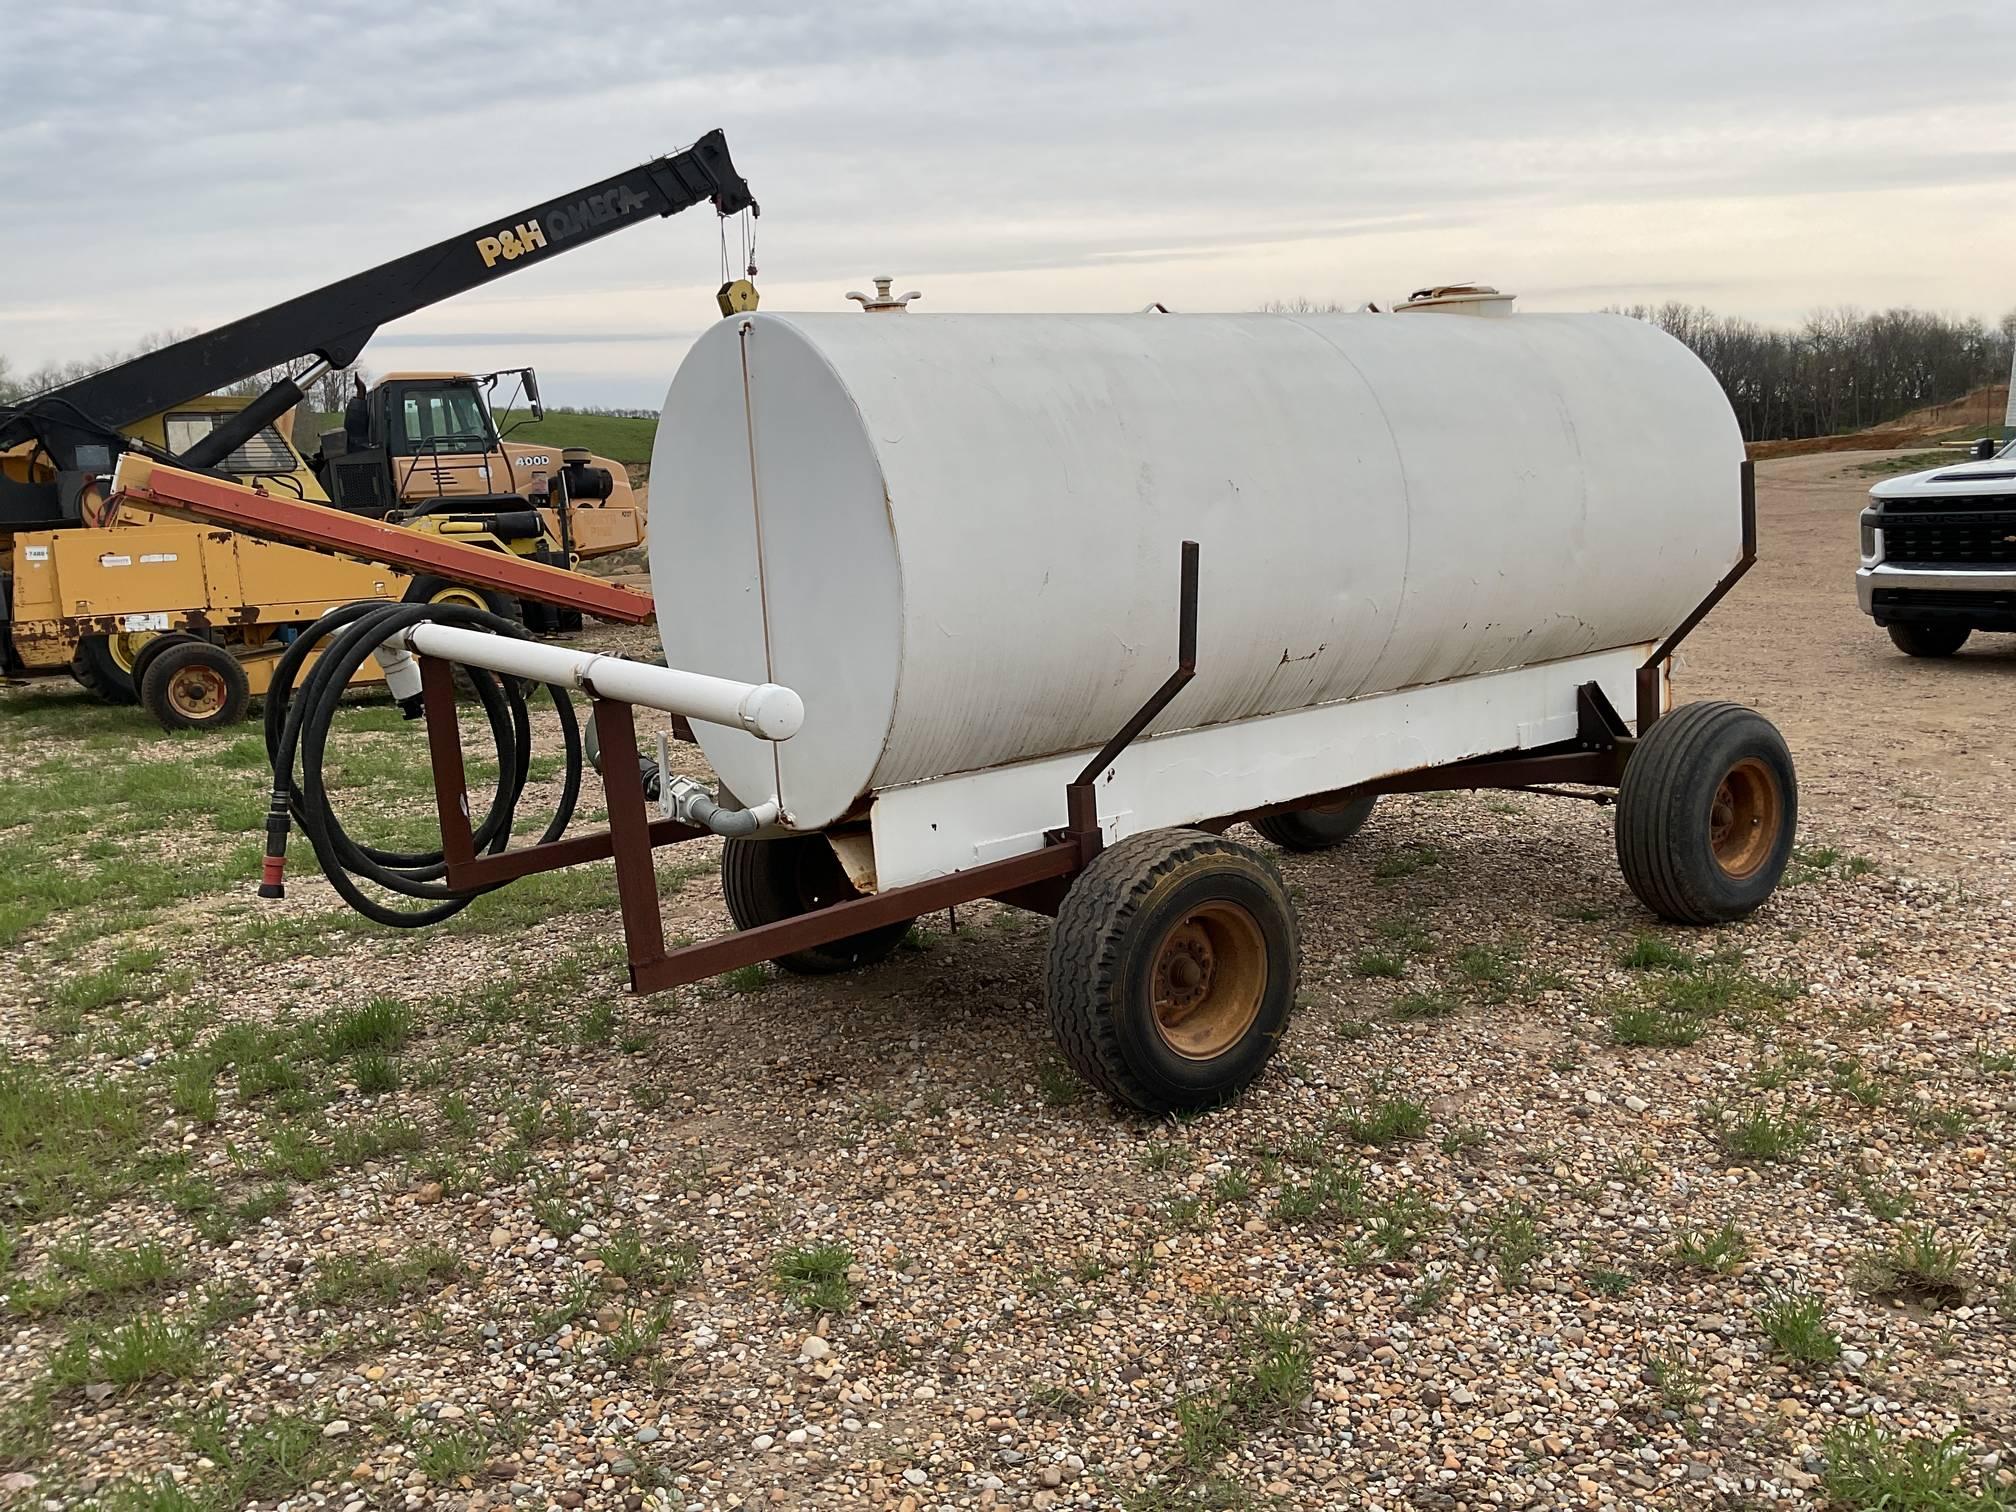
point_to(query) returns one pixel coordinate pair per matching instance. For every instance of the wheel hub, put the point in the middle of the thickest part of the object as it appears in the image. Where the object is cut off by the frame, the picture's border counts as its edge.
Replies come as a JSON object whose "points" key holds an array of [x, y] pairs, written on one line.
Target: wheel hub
{"points": [[196, 692], [1745, 816], [1210, 975]]}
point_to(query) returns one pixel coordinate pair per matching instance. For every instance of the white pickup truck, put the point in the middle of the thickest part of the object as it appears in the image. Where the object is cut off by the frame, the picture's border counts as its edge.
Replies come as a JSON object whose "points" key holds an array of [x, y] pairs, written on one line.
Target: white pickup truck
{"points": [[1939, 552]]}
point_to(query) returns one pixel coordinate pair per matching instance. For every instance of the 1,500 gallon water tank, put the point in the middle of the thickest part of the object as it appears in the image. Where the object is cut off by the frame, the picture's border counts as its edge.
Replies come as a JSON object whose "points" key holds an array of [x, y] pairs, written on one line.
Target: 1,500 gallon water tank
{"points": [[956, 536]]}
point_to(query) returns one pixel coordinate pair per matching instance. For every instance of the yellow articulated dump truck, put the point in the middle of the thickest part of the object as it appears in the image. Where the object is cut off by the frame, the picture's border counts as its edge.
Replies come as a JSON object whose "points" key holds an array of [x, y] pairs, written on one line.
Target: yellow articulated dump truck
{"points": [[189, 618]]}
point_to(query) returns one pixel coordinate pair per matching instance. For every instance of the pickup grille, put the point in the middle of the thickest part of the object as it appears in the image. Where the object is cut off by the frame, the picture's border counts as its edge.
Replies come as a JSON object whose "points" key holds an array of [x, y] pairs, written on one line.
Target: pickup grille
{"points": [[1952, 540], [1947, 504]]}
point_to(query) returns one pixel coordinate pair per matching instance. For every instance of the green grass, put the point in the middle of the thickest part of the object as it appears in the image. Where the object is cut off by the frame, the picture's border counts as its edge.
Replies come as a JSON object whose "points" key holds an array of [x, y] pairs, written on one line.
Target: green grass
{"points": [[383, 1024], [1650, 953], [627, 1255], [1761, 1134], [1869, 1468], [147, 1348], [1378, 963], [1515, 1241], [1917, 1265], [1796, 1324], [621, 438], [1405, 862], [1392, 1121], [443, 1456], [81, 1275], [1720, 1250], [815, 1276], [341, 1280], [67, 1143], [265, 1461], [1419, 1007], [1642, 1024], [375, 1073]]}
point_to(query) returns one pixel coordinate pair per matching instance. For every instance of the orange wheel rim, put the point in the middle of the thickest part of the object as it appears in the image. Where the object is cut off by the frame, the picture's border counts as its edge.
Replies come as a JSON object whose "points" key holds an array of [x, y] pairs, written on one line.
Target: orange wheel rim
{"points": [[1210, 975], [196, 692], [1745, 817]]}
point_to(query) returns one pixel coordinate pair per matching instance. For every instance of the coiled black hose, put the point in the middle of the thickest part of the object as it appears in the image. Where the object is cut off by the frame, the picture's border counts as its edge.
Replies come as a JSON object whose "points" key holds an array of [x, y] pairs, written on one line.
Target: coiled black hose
{"points": [[298, 722]]}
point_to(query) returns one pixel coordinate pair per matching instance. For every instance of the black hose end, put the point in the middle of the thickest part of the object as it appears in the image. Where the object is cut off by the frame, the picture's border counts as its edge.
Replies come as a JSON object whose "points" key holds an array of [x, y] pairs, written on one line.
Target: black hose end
{"points": [[412, 708], [272, 889]]}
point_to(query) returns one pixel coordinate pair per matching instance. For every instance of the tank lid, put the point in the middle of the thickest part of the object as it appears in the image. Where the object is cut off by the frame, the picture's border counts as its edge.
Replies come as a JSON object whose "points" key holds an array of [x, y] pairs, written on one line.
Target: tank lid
{"points": [[1459, 299], [882, 299]]}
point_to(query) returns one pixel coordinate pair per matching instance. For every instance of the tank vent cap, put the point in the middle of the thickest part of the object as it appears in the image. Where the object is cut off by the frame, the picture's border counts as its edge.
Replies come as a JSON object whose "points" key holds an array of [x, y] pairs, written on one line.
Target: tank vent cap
{"points": [[882, 299], [1459, 299]]}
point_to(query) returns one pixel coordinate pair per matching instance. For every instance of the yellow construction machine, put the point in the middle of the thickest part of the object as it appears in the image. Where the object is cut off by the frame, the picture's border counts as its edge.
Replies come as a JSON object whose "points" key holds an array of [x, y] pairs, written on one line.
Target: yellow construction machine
{"points": [[189, 618]]}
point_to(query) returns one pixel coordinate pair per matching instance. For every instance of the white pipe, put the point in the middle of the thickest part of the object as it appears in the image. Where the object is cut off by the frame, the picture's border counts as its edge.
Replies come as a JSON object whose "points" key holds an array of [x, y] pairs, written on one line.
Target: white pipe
{"points": [[767, 710]]}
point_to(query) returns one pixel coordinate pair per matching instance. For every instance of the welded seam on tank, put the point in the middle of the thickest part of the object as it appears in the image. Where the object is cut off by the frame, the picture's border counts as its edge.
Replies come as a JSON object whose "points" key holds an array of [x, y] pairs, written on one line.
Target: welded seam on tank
{"points": [[762, 571], [1400, 465]]}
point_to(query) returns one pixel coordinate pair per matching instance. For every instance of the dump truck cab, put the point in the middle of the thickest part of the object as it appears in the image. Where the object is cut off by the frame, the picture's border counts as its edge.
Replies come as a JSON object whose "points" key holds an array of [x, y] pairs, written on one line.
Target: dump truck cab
{"points": [[1939, 552], [420, 443]]}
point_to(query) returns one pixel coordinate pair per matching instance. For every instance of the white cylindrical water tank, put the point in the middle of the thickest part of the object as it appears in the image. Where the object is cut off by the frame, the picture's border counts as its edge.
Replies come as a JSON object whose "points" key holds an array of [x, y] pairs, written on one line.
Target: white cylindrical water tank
{"points": [[956, 536]]}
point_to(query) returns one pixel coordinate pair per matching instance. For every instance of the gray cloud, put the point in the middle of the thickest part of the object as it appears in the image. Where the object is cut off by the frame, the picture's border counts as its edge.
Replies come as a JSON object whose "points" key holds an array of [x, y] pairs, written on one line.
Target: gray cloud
{"points": [[195, 161]]}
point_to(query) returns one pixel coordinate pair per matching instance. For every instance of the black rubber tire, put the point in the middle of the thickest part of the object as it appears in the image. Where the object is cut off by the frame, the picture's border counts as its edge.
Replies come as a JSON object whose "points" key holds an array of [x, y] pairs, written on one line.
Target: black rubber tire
{"points": [[1317, 829], [427, 588], [94, 666], [1929, 640], [144, 657], [1665, 808], [157, 689], [1102, 963], [763, 881]]}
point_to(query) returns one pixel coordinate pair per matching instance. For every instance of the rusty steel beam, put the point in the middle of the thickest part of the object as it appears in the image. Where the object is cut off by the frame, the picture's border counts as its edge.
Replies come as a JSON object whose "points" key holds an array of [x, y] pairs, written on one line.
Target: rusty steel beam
{"points": [[186, 495], [1649, 711], [767, 941], [630, 838]]}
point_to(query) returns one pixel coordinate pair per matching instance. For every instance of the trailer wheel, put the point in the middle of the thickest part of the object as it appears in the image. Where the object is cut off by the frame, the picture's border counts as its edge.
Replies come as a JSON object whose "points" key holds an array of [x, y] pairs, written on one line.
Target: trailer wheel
{"points": [[1706, 813], [1320, 828], [763, 881], [104, 665], [1173, 968], [195, 686], [1929, 639]]}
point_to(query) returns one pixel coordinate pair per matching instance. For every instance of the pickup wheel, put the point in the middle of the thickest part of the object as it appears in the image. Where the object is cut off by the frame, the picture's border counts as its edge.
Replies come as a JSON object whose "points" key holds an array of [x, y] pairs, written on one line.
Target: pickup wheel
{"points": [[1317, 829], [1706, 813], [1929, 640], [1173, 968], [763, 881]]}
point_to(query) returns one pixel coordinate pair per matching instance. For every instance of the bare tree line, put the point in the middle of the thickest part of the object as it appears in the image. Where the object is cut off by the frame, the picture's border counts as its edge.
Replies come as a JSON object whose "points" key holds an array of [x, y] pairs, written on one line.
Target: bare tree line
{"points": [[327, 394], [1843, 369]]}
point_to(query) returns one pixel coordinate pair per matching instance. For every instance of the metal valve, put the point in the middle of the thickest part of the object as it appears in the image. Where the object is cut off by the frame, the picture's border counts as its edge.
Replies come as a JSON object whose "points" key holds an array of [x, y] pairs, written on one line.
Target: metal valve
{"points": [[882, 299]]}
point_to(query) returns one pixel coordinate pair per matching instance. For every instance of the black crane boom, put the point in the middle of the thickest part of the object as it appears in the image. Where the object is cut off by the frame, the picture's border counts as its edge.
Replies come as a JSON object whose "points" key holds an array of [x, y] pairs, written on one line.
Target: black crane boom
{"points": [[331, 325]]}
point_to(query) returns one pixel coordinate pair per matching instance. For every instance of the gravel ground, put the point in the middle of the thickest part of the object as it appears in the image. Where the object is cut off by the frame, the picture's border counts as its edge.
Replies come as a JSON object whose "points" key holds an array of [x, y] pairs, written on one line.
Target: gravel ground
{"points": [[864, 1241]]}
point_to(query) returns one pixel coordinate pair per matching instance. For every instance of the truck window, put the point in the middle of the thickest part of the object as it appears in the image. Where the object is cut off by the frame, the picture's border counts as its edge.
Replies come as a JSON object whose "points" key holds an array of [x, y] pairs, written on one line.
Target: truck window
{"points": [[265, 453], [441, 420]]}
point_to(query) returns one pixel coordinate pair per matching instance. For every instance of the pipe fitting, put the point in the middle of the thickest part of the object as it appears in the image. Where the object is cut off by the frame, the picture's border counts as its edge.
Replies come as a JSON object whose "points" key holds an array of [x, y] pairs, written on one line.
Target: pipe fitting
{"points": [[689, 802]]}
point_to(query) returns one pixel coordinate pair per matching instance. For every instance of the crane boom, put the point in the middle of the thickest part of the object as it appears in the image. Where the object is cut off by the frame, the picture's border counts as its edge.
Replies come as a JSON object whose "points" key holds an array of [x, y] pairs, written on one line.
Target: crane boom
{"points": [[78, 424]]}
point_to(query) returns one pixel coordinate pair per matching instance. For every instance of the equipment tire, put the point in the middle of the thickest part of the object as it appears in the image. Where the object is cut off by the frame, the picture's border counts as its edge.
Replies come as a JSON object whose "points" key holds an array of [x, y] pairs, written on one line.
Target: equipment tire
{"points": [[195, 686], [1706, 813], [763, 881], [431, 589], [1317, 829], [144, 658], [104, 672], [1173, 969], [1929, 640]]}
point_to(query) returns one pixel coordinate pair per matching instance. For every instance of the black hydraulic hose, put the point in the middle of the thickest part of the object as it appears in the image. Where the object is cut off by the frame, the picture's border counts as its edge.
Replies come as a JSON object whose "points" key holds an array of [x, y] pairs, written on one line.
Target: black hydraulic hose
{"points": [[298, 722]]}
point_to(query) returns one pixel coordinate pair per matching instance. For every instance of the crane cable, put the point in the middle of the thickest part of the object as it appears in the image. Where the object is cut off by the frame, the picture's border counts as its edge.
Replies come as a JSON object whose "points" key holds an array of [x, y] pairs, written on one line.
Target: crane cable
{"points": [[298, 722]]}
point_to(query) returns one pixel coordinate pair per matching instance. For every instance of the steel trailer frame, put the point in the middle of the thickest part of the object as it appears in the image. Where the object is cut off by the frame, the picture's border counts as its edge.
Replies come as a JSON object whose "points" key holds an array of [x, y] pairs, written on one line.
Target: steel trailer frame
{"points": [[1035, 880]]}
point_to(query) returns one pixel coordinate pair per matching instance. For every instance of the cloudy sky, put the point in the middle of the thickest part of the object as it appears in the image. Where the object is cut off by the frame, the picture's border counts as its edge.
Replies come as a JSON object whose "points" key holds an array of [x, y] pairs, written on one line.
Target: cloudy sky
{"points": [[178, 164]]}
